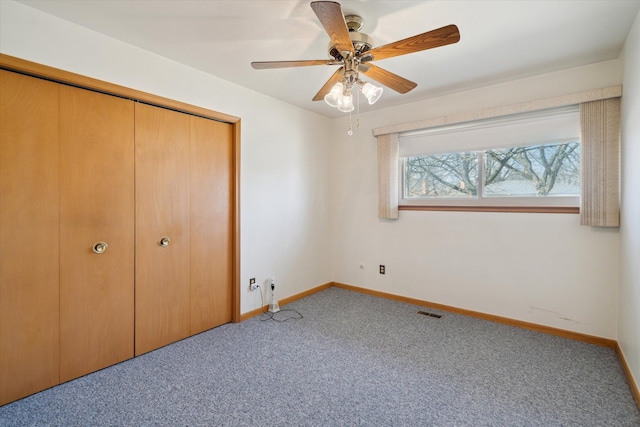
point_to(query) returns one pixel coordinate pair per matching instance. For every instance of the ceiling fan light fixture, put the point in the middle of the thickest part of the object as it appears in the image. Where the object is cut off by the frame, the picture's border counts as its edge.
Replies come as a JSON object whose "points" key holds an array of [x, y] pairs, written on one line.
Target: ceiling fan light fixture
{"points": [[346, 102], [340, 97], [371, 92], [334, 97]]}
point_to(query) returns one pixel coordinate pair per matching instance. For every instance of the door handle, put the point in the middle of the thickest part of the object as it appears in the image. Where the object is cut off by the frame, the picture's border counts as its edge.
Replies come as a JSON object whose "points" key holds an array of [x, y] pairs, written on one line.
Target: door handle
{"points": [[100, 248]]}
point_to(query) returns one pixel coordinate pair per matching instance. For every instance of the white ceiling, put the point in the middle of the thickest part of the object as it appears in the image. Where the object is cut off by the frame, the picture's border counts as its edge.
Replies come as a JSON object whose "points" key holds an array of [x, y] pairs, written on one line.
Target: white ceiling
{"points": [[500, 40]]}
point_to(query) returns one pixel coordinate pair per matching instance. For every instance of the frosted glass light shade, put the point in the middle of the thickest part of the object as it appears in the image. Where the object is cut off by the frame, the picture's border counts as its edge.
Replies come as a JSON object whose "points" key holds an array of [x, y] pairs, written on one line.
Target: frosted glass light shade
{"points": [[346, 103], [371, 92], [334, 97]]}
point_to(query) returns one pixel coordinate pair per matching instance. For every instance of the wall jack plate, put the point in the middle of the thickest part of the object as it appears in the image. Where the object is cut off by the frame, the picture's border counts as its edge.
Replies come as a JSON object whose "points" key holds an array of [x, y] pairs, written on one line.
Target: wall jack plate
{"points": [[252, 284]]}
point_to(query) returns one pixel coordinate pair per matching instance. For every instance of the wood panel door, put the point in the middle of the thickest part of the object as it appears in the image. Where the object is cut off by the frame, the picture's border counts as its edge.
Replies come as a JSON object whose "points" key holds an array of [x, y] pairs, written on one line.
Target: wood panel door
{"points": [[162, 210], [96, 205], [29, 264], [211, 223]]}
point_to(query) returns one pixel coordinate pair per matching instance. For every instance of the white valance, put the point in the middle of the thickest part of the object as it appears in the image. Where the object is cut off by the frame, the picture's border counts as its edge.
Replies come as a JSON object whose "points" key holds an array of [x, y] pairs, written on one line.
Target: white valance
{"points": [[537, 127], [505, 110]]}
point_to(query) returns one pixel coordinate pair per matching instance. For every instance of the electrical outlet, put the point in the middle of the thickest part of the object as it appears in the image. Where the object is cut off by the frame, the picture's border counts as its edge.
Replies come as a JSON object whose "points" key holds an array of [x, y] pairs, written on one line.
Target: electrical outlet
{"points": [[381, 269], [252, 284]]}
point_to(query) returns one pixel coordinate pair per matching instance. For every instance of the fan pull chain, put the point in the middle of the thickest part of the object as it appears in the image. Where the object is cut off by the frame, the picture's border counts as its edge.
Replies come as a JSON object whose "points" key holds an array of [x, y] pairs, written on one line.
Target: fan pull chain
{"points": [[358, 115], [350, 131]]}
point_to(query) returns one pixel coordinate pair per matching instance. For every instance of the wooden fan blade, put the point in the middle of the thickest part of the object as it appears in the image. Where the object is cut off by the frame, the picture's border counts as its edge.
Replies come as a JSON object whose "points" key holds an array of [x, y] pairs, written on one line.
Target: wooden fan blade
{"points": [[435, 38], [392, 81], [286, 64], [330, 15], [335, 78]]}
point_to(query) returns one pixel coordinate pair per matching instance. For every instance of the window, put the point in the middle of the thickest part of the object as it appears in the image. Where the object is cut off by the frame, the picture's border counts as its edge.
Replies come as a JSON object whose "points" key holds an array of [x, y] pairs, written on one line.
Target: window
{"points": [[539, 170], [524, 160], [532, 171], [441, 176]]}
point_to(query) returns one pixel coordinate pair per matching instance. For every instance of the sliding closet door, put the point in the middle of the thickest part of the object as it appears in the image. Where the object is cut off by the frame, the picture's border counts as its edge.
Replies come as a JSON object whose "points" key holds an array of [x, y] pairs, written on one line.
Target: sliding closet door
{"points": [[96, 231], [162, 227], [29, 309], [211, 222]]}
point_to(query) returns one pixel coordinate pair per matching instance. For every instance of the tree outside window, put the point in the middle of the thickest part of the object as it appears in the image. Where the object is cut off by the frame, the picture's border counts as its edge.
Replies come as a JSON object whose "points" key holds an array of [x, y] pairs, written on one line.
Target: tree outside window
{"points": [[531, 171]]}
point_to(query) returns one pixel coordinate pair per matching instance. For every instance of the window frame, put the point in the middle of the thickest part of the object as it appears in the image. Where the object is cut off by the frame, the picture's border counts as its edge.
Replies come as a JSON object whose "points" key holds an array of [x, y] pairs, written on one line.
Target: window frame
{"points": [[533, 204]]}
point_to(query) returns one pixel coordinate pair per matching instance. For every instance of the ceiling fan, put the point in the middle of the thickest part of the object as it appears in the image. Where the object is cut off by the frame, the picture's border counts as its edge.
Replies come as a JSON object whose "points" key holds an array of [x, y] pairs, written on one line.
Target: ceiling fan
{"points": [[354, 52]]}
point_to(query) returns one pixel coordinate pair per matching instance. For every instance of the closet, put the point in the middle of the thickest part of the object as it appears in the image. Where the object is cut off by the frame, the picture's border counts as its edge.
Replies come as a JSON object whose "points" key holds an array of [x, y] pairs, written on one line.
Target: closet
{"points": [[29, 236], [116, 230], [163, 292], [183, 218], [96, 230]]}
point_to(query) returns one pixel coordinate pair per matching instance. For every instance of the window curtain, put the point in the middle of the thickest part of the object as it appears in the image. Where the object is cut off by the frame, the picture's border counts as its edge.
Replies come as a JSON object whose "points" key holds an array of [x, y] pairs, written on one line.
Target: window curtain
{"points": [[388, 176], [600, 134]]}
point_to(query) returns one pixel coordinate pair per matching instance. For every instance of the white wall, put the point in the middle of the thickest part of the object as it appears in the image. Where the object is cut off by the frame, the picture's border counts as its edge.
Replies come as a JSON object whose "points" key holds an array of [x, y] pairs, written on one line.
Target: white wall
{"points": [[300, 180], [541, 268], [629, 307], [284, 154]]}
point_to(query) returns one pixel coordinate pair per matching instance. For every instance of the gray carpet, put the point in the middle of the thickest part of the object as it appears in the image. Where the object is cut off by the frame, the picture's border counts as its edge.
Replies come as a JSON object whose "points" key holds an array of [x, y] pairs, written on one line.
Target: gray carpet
{"points": [[353, 360]]}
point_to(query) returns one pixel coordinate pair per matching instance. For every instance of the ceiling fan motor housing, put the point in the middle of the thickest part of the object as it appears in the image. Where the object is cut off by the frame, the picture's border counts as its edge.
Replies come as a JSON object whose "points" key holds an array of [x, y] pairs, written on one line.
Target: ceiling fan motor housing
{"points": [[361, 41]]}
